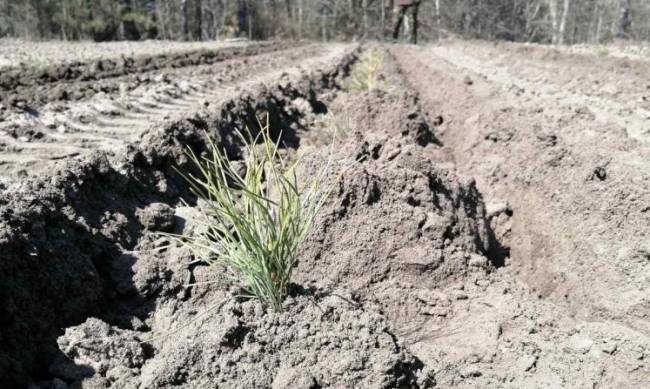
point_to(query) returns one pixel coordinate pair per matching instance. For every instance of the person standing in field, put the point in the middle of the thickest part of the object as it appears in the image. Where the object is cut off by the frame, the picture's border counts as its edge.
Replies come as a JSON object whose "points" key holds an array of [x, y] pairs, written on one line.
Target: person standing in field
{"points": [[402, 7]]}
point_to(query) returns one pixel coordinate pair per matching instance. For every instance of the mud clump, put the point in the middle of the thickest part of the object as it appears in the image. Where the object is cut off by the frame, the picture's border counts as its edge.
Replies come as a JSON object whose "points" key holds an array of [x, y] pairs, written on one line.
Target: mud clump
{"points": [[95, 344], [157, 217], [317, 341], [395, 203]]}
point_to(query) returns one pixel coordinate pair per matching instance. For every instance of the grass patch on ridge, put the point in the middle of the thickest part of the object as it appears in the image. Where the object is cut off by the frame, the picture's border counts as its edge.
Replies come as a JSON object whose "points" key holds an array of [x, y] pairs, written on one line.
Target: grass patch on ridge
{"points": [[253, 221]]}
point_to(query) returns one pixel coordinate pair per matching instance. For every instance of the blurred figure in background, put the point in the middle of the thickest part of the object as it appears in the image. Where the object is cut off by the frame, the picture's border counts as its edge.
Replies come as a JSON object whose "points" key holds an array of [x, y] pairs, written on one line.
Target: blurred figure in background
{"points": [[402, 7]]}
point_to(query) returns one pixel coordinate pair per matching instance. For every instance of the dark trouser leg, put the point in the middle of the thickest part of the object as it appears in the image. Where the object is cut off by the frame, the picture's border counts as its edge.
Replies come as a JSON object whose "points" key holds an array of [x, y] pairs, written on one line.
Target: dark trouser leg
{"points": [[398, 22], [414, 30]]}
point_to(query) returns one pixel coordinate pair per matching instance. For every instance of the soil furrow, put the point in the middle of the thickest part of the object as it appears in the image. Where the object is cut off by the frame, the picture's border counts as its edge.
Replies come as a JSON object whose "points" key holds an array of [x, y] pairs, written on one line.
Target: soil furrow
{"points": [[487, 224], [112, 122], [24, 83], [579, 220], [76, 254], [630, 115]]}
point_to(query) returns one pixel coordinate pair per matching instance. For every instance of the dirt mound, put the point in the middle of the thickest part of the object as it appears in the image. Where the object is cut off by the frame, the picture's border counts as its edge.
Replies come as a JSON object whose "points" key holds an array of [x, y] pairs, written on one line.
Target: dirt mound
{"points": [[396, 227], [395, 214], [317, 341], [59, 237], [394, 203]]}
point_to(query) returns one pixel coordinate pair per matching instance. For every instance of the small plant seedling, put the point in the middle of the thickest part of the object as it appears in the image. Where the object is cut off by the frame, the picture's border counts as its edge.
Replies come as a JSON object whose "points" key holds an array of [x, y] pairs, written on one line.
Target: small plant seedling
{"points": [[339, 124], [254, 221], [364, 75]]}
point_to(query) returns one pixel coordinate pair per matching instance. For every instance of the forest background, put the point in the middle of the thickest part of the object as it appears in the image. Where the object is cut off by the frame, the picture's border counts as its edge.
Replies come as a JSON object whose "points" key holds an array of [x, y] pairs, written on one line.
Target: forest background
{"points": [[541, 21]]}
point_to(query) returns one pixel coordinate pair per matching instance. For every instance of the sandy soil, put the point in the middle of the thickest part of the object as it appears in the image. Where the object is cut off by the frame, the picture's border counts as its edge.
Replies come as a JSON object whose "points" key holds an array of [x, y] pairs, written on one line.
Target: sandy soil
{"points": [[115, 113], [571, 162], [18, 53], [490, 230], [619, 49]]}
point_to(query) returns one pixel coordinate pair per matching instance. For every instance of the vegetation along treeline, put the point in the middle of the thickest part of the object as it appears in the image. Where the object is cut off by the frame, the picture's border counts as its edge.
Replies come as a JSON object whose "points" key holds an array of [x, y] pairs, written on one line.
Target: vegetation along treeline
{"points": [[545, 21]]}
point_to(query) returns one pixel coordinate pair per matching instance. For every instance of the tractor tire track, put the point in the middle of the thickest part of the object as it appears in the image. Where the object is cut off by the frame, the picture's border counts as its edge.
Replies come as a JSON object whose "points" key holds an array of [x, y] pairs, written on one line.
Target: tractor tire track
{"points": [[107, 122]]}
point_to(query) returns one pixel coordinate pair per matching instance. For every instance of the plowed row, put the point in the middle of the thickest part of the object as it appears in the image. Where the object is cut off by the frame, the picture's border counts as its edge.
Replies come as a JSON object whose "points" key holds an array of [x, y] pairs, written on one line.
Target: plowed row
{"points": [[490, 228]]}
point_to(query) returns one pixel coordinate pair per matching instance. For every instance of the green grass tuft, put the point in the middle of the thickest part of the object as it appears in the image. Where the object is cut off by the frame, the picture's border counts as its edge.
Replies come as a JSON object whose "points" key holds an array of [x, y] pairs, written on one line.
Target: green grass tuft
{"points": [[254, 221]]}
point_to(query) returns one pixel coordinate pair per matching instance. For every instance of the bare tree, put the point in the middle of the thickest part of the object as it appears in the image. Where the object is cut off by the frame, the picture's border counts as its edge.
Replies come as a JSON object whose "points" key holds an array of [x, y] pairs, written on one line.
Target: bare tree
{"points": [[552, 7], [624, 20], [544, 21], [562, 28], [185, 19], [198, 18]]}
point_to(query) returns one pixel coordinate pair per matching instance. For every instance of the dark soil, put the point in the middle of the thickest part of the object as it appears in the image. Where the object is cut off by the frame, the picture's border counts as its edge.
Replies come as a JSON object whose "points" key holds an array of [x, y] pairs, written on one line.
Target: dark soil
{"points": [[454, 251], [99, 235], [68, 236]]}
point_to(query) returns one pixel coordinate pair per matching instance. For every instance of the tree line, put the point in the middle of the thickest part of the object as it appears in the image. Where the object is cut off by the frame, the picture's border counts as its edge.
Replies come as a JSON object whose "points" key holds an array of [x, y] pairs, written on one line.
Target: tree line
{"points": [[543, 21]]}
